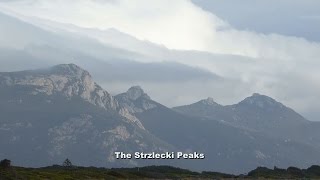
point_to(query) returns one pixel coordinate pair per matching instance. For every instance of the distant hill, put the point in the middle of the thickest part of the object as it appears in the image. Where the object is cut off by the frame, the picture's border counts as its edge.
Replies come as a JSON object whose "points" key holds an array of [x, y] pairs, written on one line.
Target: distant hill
{"points": [[258, 113], [229, 147]]}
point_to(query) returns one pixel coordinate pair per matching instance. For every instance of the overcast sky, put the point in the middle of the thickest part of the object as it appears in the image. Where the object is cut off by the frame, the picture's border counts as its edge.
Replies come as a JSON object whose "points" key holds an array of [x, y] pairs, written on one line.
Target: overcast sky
{"points": [[288, 17], [270, 46]]}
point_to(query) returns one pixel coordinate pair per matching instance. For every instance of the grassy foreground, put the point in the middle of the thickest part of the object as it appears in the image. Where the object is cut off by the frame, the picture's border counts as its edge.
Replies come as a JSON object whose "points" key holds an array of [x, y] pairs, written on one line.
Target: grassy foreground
{"points": [[151, 172]]}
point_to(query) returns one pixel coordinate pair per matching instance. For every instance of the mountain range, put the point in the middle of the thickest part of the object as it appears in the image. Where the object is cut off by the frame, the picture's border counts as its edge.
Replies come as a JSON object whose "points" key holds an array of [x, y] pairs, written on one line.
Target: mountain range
{"points": [[49, 114]]}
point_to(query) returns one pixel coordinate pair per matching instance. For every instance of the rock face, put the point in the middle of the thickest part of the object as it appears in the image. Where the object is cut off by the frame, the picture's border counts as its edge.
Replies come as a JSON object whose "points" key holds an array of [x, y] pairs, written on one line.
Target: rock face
{"points": [[136, 92], [209, 101], [68, 80], [49, 114], [136, 100]]}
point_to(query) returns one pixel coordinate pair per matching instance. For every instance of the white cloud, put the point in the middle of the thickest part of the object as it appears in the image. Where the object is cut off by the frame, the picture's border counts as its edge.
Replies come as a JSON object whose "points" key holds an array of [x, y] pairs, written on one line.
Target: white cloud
{"points": [[171, 23], [176, 24], [281, 66]]}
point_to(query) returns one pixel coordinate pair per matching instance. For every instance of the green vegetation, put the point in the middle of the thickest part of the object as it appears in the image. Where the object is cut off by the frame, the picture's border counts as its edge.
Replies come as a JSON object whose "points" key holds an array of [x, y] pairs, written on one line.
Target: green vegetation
{"points": [[63, 173], [290, 173], [69, 172]]}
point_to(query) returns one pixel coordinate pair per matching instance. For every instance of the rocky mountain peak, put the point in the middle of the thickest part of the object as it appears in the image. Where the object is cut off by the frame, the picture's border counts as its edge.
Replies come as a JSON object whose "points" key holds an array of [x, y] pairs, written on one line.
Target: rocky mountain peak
{"points": [[209, 101], [135, 100], [68, 80], [69, 69], [261, 101], [136, 92]]}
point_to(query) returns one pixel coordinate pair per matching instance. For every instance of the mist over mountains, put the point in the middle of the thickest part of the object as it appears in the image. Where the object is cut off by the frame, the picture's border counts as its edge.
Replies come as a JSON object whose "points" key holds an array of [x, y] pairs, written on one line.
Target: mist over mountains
{"points": [[68, 90], [121, 59]]}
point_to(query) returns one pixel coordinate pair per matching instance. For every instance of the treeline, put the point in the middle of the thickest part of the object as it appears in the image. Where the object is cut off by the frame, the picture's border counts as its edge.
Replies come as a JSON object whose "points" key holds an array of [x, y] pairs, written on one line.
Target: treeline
{"points": [[69, 171], [312, 172]]}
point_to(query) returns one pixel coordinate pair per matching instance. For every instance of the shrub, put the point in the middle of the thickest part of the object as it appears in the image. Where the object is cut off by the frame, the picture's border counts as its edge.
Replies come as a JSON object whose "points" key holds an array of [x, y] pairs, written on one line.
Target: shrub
{"points": [[5, 163]]}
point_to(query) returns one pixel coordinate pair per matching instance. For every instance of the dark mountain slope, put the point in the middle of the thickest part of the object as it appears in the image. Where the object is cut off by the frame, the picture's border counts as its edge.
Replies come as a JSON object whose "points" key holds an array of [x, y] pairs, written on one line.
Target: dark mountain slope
{"points": [[228, 148], [259, 113]]}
